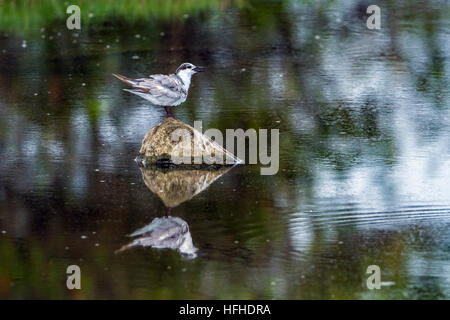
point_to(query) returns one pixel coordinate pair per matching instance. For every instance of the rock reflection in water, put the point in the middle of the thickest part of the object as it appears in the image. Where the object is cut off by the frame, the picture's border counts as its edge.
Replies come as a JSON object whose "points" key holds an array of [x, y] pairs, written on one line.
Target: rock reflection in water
{"points": [[173, 186]]}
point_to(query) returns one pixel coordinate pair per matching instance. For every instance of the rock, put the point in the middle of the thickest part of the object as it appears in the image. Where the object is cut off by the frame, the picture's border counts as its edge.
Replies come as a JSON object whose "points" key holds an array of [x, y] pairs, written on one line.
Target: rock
{"points": [[173, 142], [176, 185]]}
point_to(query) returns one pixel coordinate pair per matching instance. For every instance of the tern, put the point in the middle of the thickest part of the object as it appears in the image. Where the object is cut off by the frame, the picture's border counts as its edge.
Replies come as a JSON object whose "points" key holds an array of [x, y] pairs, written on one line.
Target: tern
{"points": [[164, 90]]}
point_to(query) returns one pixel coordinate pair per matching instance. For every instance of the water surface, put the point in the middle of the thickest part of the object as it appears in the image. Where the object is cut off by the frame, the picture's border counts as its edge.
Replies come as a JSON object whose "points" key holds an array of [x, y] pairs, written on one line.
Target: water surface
{"points": [[364, 151]]}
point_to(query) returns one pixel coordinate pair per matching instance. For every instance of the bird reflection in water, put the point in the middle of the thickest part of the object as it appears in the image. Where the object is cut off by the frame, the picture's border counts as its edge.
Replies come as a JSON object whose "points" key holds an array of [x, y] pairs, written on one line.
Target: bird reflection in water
{"points": [[167, 232], [173, 186]]}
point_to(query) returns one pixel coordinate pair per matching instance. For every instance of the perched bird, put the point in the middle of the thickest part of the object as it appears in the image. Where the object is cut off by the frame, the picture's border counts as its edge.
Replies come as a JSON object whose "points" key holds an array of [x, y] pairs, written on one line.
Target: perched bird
{"points": [[164, 90]]}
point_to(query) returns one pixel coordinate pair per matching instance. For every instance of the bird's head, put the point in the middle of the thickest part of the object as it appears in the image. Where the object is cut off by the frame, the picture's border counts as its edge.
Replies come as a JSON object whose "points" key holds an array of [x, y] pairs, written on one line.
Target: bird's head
{"points": [[188, 69]]}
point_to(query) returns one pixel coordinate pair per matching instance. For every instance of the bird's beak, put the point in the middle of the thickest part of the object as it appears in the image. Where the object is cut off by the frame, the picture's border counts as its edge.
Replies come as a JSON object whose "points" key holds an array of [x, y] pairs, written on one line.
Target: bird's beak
{"points": [[199, 69]]}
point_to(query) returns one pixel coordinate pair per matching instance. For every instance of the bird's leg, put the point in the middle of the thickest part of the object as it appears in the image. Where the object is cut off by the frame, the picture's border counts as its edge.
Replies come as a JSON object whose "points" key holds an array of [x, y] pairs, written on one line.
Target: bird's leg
{"points": [[168, 114], [168, 212]]}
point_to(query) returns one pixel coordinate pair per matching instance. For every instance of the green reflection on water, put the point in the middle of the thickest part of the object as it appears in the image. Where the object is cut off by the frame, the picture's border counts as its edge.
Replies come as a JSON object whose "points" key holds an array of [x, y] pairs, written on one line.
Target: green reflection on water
{"points": [[26, 15], [363, 119]]}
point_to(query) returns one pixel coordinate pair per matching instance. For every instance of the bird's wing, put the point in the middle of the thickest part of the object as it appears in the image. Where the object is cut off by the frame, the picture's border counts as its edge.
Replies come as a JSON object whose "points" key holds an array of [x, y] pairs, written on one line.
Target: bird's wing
{"points": [[171, 82], [161, 85], [158, 85]]}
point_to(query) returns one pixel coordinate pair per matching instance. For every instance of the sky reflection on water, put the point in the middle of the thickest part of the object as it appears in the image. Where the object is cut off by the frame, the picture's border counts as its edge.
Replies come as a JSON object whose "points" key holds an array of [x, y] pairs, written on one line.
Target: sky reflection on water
{"points": [[364, 153]]}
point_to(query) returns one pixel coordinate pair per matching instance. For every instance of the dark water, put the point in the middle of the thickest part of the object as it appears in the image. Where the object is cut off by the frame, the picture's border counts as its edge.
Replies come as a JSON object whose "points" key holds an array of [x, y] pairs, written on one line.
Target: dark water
{"points": [[364, 171]]}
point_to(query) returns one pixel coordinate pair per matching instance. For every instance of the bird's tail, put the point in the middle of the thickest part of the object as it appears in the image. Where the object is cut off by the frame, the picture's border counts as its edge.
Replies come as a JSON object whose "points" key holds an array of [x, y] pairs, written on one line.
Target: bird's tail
{"points": [[124, 79], [125, 247]]}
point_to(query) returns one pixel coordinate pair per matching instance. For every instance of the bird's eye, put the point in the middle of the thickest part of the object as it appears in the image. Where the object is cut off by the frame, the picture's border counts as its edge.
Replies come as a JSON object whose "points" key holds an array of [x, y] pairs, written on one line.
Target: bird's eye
{"points": [[189, 67]]}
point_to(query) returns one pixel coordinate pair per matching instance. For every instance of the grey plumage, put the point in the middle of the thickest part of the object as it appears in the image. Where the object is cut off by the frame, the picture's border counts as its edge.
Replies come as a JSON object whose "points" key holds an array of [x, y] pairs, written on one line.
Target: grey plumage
{"points": [[163, 90], [160, 90]]}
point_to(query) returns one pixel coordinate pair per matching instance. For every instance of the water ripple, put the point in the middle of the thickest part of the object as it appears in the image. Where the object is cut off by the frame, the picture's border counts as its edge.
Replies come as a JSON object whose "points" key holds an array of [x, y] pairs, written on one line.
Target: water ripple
{"points": [[367, 218]]}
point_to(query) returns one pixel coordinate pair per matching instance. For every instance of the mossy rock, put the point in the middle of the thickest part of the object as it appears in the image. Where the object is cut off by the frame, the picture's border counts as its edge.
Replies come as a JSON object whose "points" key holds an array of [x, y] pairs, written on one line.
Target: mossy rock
{"points": [[161, 147]]}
